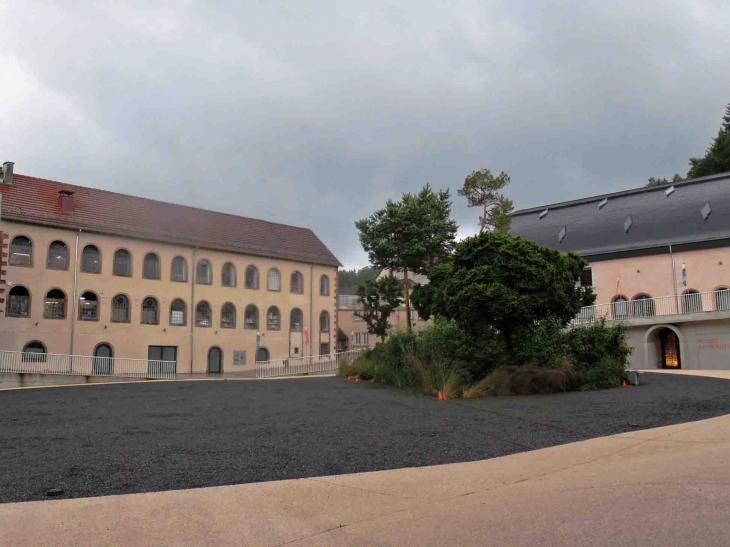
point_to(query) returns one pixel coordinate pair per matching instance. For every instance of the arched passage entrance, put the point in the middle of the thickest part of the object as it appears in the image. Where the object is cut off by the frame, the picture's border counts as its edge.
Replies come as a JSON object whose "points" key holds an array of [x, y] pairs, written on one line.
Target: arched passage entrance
{"points": [[664, 347], [215, 359]]}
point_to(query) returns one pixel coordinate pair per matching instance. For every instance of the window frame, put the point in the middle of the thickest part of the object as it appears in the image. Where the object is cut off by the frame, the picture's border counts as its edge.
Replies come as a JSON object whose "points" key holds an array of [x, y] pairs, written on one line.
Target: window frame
{"points": [[10, 253], [144, 266], [257, 315], [278, 311], [81, 263], [326, 278], [98, 307], [210, 317], [258, 278], [301, 282], [25, 352], [223, 275], [8, 313], [65, 304], [114, 263], [172, 269], [48, 256], [184, 310], [301, 320], [210, 272], [129, 309], [324, 313], [142, 311], [235, 314], [268, 284]]}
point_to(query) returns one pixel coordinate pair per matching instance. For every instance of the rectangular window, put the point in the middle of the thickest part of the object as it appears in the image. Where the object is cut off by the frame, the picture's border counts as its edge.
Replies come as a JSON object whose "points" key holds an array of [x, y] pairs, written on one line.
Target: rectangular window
{"points": [[357, 338], [586, 277], [177, 317], [324, 349], [366, 338], [157, 354]]}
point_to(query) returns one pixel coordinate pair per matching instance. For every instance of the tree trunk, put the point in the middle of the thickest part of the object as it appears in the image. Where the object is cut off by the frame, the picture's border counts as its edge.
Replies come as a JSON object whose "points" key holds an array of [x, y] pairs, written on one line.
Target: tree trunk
{"points": [[484, 218], [408, 301]]}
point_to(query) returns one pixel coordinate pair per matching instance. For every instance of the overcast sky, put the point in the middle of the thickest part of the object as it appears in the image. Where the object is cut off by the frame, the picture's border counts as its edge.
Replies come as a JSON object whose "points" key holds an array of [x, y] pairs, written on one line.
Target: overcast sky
{"points": [[314, 113]]}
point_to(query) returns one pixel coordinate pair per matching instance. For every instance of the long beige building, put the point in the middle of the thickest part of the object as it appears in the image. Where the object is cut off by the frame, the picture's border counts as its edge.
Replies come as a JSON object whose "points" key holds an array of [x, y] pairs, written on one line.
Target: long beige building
{"points": [[96, 273]]}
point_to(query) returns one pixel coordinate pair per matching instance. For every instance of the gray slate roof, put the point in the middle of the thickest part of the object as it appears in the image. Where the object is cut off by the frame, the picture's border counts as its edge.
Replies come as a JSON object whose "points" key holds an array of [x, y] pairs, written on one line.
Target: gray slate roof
{"points": [[657, 220]]}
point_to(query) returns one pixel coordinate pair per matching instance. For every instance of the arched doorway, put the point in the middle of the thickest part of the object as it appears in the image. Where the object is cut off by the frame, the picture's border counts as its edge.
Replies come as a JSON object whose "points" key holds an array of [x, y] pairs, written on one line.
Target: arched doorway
{"points": [[262, 355], [669, 344], [103, 360], [215, 360]]}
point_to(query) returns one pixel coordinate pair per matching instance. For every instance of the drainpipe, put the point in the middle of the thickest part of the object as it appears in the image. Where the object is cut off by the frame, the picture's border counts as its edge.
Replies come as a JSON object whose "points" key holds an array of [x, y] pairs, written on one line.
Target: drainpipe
{"points": [[674, 277], [73, 302], [192, 305], [311, 305]]}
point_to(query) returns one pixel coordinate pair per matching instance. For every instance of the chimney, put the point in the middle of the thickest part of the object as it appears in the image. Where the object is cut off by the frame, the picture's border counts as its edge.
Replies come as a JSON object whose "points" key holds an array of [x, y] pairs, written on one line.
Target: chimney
{"points": [[7, 173], [67, 201]]}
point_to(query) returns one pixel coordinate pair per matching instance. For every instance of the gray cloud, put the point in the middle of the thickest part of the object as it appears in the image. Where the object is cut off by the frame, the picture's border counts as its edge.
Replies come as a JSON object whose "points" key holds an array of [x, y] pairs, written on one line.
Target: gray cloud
{"points": [[316, 114]]}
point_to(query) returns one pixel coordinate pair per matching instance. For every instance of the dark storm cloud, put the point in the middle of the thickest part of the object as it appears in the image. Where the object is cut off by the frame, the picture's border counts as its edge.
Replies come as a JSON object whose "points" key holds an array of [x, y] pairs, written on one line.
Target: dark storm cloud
{"points": [[316, 114]]}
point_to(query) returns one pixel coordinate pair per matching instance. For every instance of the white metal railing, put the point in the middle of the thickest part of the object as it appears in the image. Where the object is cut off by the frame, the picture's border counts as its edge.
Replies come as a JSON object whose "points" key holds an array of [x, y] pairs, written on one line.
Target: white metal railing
{"points": [[641, 308], [79, 365], [305, 365]]}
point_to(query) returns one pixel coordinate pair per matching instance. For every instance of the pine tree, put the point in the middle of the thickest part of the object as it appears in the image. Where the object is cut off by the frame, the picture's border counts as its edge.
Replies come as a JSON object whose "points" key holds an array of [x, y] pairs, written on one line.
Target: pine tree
{"points": [[717, 158]]}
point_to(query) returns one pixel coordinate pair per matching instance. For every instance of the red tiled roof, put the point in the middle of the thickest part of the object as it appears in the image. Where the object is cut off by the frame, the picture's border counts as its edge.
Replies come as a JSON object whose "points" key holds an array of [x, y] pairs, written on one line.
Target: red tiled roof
{"points": [[34, 200]]}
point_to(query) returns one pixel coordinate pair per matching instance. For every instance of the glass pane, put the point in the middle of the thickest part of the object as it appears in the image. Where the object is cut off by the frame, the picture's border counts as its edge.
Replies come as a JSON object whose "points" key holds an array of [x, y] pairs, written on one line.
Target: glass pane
{"points": [[90, 259], [57, 256], [21, 251]]}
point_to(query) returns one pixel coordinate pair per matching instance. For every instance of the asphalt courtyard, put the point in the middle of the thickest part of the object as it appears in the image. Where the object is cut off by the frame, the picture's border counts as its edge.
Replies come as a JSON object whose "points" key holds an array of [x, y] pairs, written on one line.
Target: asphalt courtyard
{"points": [[99, 440]]}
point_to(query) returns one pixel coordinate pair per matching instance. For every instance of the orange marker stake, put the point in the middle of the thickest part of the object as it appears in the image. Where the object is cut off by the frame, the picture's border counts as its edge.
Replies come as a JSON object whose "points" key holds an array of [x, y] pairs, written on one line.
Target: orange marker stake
{"points": [[441, 397], [624, 384]]}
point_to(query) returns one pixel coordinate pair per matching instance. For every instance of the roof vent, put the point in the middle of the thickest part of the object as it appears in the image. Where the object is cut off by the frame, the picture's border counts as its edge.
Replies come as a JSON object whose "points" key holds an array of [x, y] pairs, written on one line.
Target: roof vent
{"points": [[6, 173], [628, 223], [669, 191], [67, 201], [603, 202], [561, 234], [543, 214], [706, 210]]}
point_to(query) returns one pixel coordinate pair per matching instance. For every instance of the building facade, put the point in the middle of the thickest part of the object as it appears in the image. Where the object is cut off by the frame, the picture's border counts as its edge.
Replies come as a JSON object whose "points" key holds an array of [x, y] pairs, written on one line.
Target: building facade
{"points": [[96, 273], [659, 262]]}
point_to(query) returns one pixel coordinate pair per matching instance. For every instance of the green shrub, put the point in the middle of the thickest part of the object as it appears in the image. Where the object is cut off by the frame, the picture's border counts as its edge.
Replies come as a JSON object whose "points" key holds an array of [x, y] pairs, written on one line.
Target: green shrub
{"points": [[609, 372], [392, 352], [541, 343], [589, 345], [523, 380]]}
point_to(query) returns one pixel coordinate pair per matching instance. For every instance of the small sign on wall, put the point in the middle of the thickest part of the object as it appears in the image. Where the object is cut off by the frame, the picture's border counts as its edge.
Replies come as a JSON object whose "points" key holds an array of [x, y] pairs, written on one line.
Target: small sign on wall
{"points": [[239, 357]]}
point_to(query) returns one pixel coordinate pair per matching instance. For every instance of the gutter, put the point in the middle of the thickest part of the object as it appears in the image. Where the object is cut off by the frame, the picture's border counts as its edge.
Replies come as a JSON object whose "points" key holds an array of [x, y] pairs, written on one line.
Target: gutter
{"points": [[311, 306], [73, 302], [192, 305]]}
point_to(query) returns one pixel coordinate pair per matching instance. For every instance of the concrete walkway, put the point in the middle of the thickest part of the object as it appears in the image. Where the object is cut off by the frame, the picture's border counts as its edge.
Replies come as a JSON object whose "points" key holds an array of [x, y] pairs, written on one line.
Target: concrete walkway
{"points": [[663, 487]]}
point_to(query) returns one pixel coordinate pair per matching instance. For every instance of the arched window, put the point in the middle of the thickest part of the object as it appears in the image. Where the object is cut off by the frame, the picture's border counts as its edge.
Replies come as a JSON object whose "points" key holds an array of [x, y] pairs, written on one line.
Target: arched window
{"points": [[122, 263], [692, 301], [178, 311], [262, 355], [88, 307], [324, 321], [228, 316], [228, 275], [179, 270], [57, 256], [296, 320], [204, 274], [34, 352], [643, 306], [103, 359], [18, 302], [55, 305], [21, 251], [252, 277], [151, 267], [203, 315], [722, 299], [297, 283], [324, 286], [91, 259], [273, 319], [150, 311], [620, 307], [251, 318], [120, 309], [273, 280]]}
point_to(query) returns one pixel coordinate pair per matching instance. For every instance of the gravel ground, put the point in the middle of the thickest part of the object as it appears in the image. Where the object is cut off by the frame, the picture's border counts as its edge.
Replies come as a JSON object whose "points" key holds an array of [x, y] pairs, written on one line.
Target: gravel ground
{"points": [[121, 439]]}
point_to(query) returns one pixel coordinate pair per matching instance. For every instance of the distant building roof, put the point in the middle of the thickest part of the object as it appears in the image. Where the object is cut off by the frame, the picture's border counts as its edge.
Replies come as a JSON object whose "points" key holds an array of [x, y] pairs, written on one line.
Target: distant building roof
{"points": [[697, 210], [35, 200], [413, 278], [347, 291]]}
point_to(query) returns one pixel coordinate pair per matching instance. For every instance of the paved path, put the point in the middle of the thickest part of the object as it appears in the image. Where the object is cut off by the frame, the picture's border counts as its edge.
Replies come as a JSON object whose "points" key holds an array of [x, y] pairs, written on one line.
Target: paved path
{"points": [[662, 487]]}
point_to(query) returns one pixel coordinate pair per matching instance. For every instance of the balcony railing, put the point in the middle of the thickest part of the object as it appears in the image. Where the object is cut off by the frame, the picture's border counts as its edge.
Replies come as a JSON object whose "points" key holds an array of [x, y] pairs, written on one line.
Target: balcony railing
{"points": [[644, 308]]}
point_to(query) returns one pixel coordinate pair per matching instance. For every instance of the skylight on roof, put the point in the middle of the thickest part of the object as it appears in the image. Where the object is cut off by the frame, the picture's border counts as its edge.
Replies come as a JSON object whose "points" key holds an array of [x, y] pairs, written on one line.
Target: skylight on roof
{"points": [[628, 223], [603, 202], [706, 210], [561, 234], [543, 214], [669, 191]]}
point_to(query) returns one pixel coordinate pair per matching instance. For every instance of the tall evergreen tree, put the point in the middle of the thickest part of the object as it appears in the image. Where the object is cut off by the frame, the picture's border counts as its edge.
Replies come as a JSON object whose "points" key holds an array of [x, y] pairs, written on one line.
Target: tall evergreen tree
{"points": [[717, 158], [482, 189], [413, 234]]}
